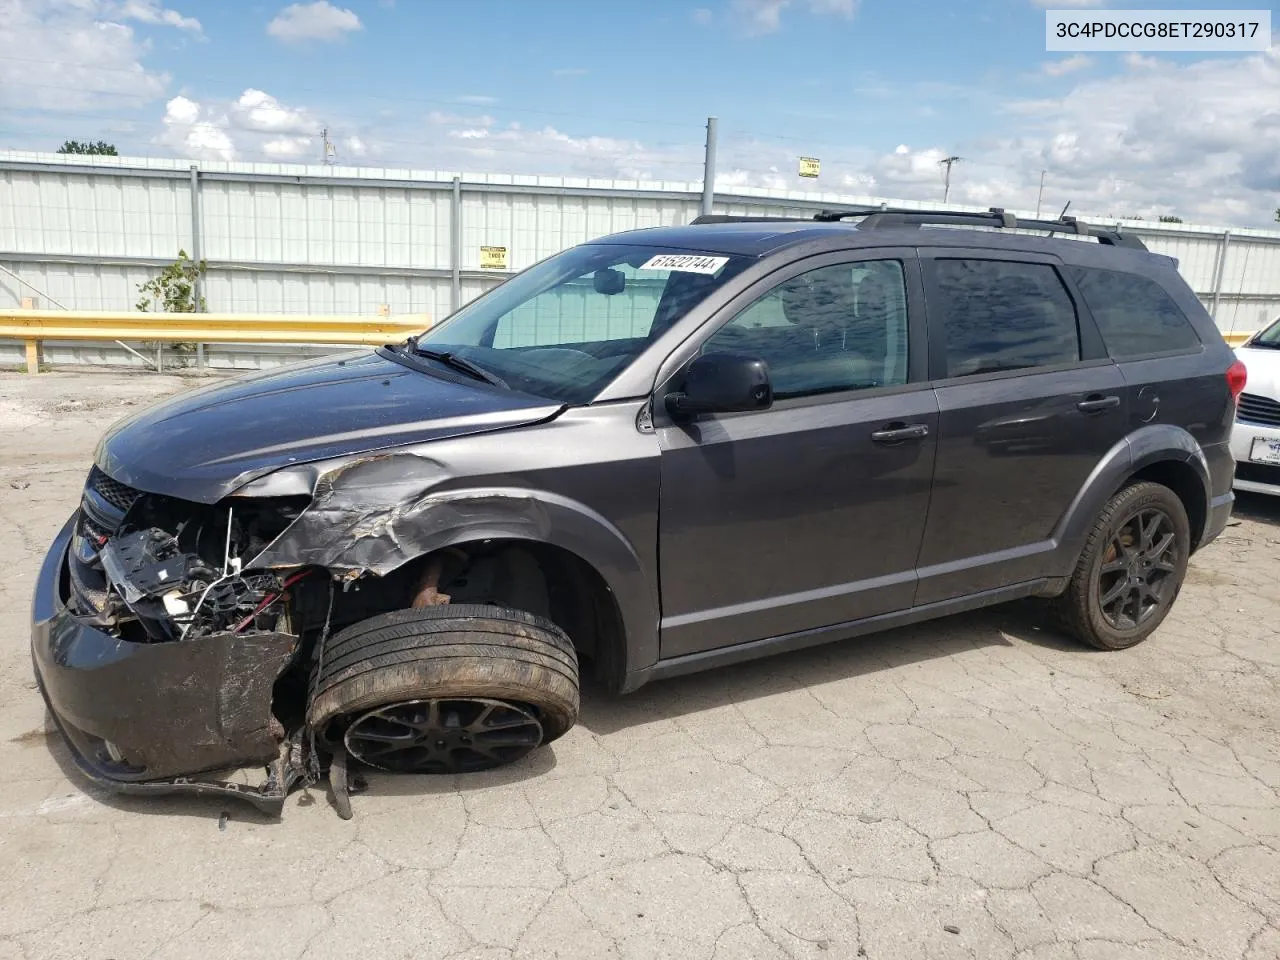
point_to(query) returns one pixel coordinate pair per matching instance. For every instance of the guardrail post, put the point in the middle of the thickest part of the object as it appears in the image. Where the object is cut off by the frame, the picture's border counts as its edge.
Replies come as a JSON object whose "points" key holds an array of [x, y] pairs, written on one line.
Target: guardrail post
{"points": [[197, 251], [455, 247], [33, 356]]}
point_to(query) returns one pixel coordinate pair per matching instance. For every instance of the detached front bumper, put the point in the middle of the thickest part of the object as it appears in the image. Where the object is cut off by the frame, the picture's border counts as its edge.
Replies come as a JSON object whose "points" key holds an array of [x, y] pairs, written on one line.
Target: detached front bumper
{"points": [[147, 717]]}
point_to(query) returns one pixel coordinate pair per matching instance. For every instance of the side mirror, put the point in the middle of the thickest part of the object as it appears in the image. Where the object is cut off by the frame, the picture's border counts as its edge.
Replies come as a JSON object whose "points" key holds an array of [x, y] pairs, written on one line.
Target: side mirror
{"points": [[722, 383]]}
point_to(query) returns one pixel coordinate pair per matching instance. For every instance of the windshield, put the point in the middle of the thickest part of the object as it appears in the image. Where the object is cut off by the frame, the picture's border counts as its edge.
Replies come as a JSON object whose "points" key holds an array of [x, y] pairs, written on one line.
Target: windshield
{"points": [[564, 328], [1270, 337]]}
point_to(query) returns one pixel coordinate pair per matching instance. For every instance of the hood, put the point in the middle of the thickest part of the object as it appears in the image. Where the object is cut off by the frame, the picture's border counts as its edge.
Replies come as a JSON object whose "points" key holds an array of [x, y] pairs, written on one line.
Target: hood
{"points": [[203, 444], [1263, 365]]}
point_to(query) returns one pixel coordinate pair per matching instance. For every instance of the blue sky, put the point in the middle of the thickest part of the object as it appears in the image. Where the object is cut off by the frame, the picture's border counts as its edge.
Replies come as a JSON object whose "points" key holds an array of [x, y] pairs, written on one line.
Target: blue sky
{"points": [[878, 90]]}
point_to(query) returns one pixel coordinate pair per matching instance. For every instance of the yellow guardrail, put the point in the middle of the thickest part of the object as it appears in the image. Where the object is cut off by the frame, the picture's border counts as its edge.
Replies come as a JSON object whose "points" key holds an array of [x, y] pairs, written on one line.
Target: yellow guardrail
{"points": [[33, 326]]}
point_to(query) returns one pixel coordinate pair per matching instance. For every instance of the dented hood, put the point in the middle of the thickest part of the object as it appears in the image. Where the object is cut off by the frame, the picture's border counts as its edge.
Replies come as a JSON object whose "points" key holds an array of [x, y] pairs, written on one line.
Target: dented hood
{"points": [[203, 444]]}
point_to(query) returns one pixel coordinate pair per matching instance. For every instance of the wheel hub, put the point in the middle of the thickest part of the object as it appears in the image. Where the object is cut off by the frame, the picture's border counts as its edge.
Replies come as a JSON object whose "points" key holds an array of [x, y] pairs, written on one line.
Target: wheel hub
{"points": [[1137, 566], [457, 735]]}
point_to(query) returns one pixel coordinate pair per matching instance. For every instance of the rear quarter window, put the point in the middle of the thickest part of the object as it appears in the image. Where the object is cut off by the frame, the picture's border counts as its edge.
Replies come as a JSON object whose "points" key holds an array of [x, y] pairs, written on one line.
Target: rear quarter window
{"points": [[1135, 315]]}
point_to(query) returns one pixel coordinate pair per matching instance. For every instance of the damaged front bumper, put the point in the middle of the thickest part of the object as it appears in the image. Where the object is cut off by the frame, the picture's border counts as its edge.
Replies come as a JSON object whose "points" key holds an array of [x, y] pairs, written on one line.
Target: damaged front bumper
{"points": [[146, 718]]}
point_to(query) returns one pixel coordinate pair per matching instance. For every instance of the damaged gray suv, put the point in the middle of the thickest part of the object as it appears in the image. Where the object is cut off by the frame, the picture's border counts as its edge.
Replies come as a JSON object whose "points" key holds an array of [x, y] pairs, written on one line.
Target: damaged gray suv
{"points": [[662, 451]]}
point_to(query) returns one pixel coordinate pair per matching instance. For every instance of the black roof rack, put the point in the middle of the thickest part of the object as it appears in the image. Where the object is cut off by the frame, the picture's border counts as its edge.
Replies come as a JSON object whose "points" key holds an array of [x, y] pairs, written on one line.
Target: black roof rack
{"points": [[885, 216], [881, 217], [730, 218]]}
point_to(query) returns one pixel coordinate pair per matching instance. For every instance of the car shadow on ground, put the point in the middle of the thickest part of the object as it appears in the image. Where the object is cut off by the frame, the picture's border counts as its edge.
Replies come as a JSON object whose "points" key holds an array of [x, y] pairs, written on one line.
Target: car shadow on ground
{"points": [[1259, 507], [831, 662]]}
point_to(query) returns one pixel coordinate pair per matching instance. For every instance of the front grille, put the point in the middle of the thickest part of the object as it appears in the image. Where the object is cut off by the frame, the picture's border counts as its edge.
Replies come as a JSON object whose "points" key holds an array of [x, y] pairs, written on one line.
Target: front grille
{"points": [[1256, 409], [113, 491], [1258, 472]]}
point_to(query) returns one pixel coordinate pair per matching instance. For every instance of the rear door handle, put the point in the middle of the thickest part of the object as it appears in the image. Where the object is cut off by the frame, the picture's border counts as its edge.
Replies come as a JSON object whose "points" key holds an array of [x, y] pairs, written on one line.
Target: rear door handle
{"points": [[897, 433], [1095, 404]]}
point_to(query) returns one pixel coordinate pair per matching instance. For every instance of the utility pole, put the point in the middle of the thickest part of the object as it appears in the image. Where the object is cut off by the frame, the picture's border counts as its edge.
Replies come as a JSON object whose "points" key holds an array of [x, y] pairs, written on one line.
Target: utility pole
{"points": [[327, 147], [1040, 196], [946, 187], [709, 168]]}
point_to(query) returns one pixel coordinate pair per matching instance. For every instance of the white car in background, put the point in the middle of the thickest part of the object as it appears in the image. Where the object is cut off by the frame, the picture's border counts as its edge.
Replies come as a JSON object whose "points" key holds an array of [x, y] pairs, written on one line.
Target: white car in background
{"points": [[1255, 440]]}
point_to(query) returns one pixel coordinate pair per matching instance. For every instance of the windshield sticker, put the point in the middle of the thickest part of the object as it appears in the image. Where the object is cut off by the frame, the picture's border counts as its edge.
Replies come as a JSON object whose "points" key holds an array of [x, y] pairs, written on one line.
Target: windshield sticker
{"points": [[686, 263]]}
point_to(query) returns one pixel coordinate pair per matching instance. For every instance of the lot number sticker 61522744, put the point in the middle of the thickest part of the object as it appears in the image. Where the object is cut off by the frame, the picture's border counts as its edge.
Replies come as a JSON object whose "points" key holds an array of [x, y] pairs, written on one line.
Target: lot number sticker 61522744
{"points": [[685, 262]]}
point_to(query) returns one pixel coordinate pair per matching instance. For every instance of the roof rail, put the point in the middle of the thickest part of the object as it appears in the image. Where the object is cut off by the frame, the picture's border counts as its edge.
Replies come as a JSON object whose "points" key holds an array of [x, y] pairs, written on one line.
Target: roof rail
{"points": [[881, 217], [731, 218]]}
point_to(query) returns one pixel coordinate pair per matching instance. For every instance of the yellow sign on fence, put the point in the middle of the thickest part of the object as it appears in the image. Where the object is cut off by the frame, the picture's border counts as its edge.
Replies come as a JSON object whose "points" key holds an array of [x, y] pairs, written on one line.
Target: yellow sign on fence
{"points": [[809, 166], [493, 258]]}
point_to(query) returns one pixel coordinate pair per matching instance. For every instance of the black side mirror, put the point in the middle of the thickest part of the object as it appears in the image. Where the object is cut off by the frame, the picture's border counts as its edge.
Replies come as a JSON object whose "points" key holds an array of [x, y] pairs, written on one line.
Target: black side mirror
{"points": [[722, 383], [609, 281]]}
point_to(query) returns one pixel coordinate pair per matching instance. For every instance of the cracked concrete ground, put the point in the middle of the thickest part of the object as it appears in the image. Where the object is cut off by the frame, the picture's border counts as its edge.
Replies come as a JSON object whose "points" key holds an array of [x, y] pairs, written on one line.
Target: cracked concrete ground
{"points": [[975, 787]]}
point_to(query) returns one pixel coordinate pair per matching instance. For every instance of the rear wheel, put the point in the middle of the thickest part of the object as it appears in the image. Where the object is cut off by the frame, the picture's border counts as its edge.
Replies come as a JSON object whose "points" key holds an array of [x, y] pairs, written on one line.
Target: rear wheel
{"points": [[1131, 569], [445, 689]]}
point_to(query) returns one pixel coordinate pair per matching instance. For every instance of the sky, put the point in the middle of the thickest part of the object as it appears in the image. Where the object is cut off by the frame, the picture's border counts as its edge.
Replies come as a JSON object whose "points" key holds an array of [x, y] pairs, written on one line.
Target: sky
{"points": [[878, 90]]}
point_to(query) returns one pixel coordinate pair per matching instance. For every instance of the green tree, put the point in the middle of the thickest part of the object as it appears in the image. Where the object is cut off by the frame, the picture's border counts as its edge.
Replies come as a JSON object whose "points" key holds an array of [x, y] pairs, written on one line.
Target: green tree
{"points": [[101, 148], [1277, 214], [174, 291], [1170, 219]]}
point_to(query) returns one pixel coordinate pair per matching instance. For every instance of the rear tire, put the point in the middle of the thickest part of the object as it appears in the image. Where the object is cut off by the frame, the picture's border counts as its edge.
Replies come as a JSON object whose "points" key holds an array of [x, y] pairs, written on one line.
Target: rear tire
{"points": [[1130, 571], [446, 689]]}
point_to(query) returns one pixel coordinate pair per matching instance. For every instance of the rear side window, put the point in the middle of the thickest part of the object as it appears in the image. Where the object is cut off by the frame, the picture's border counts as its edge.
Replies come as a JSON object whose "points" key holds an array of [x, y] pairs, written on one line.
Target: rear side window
{"points": [[1004, 316], [1134, 315]]}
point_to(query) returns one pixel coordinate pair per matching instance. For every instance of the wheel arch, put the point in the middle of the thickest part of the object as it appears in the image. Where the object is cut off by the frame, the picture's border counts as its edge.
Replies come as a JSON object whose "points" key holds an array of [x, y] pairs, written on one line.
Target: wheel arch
{"points": [[598, 560], [1162, 453]]}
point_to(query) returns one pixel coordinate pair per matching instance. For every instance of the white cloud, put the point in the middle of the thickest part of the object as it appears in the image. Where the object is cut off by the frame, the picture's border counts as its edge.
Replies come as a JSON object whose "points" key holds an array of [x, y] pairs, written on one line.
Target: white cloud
{"points": [[150, 11], [321, 21], [258, 110], [479, 99], [758, 17], [1060, 68], [68, 55], [192, 137], [701, 15], [291, 148]]}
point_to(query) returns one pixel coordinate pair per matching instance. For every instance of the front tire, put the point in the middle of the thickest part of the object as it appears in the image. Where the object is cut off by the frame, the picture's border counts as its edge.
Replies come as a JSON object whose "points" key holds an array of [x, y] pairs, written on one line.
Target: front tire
{"points": [[445, 689], [1130, 571]]}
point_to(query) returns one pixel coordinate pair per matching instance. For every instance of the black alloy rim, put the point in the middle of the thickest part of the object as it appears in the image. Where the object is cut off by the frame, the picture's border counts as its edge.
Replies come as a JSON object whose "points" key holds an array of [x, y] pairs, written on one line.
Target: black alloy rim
{"points": [[456, 735], [1136, 577]]}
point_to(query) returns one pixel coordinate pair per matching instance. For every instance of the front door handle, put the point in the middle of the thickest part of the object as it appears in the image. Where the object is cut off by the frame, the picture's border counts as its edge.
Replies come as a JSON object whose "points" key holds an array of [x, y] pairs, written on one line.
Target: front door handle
{"points": [[1096, 404], [896, 433]]}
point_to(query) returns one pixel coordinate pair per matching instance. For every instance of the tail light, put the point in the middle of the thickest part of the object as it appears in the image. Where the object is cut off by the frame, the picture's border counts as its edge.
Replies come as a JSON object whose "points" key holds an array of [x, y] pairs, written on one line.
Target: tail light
{"points": [[1237, 376]]}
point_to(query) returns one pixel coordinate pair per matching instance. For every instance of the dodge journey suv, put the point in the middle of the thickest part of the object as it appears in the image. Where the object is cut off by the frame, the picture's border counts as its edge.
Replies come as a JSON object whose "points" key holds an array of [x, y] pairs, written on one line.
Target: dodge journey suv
{"points": [[658, 452]]}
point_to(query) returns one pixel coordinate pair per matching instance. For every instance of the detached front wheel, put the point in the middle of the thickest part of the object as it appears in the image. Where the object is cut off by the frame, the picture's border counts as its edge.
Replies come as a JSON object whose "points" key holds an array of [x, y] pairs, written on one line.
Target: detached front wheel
{"points": [[1131, 569], [445, 689]]}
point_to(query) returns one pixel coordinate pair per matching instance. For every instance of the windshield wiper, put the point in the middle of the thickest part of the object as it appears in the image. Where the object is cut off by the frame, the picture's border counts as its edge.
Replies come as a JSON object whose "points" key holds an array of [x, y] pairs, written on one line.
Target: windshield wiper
{"points": [[461, 364], [1263, 345]]}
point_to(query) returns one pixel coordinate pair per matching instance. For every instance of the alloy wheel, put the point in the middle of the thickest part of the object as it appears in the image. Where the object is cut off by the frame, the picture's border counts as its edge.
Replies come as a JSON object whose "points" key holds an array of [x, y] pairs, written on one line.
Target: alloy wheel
{"points": [[443, 736]]}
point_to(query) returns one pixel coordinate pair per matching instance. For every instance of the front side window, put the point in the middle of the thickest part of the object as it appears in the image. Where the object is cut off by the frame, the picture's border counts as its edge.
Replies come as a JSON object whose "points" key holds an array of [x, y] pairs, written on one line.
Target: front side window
{"points": [[842, 327], [1000, 315], [1134, 315], [564, 328]]}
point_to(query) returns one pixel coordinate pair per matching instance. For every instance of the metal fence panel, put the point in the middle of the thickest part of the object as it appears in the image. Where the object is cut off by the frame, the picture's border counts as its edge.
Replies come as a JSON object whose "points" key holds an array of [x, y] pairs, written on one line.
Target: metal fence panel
{"points": [[86, 231]]}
